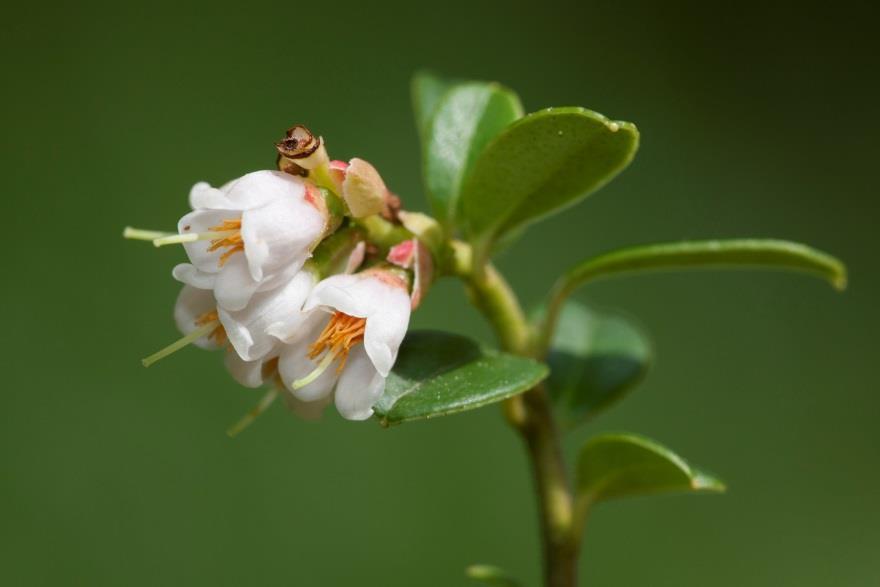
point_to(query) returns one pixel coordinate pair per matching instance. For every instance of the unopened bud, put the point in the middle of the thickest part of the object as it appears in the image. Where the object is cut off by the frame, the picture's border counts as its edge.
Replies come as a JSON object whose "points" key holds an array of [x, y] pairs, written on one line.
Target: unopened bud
{"points": [[336, 172], [302, 148], [363, 189], [403, 254], [414, 255]]}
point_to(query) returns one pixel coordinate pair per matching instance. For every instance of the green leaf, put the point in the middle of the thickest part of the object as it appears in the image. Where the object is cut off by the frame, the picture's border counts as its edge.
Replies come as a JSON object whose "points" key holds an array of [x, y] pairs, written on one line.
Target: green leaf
{"points": [[491, 575], [748, 252], [426, 90], [542, 163], [709, 254], [623, 465], [439, 373], [466, 118], [595, 359]]}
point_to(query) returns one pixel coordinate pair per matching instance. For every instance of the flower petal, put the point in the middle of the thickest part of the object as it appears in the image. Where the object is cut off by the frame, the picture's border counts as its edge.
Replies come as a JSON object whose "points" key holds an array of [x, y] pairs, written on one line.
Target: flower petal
{"points": [[247, 373], [234, 286], [306, 410], [280, 308], [294, 364], [202, 195], [188, 274], [262, 187], [386, 328], [343, 293], [193, 303], [360, 386], [202, 221], [356, 257], [306, 328], [280, 233]]}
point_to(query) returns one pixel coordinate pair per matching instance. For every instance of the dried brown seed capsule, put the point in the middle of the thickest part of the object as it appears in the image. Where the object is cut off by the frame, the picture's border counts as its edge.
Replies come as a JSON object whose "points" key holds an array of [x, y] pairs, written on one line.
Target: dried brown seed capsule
{"points": [[298, 143]]}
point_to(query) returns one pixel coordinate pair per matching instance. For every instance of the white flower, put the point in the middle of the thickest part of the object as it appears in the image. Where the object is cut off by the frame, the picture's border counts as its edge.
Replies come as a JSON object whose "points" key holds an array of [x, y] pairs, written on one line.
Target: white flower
{"points": [[196, 315], [251, 235], [369, 315]]}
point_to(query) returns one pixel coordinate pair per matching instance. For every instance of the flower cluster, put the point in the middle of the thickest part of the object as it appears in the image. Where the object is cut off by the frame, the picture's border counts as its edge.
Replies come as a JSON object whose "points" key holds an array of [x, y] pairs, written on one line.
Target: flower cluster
{"points": [[284, 275]]}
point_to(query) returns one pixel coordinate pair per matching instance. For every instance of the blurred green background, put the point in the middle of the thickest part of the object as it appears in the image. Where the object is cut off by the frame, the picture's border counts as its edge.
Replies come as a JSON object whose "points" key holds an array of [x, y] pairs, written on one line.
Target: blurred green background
{"points": [[757, 119]]}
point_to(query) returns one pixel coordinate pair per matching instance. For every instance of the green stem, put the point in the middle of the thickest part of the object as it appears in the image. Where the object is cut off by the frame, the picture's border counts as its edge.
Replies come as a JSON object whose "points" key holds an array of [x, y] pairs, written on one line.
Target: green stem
{"points": [[532, 416], [561, 545], [494, 298]]}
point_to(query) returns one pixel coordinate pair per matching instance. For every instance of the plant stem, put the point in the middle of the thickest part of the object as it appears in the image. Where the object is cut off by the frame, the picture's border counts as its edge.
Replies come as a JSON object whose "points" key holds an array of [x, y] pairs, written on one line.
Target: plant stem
{"points": [[554, 492], [531, 414], [494, 298]]}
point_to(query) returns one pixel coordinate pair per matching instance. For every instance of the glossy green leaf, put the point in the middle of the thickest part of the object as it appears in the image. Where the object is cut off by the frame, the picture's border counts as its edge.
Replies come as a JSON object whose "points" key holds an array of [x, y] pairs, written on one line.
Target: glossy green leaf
{"points": [[426, 90], [439, 373], [622, 465], [746, 252], [491, 575], [466, 118], [595, 359], [709, 254], [542, 163]]}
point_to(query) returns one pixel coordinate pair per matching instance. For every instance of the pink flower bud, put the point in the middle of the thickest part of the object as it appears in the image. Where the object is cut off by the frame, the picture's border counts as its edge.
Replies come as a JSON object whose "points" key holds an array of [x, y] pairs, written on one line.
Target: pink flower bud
{"points": [[363, 189], [336, 172], [413, 254], [403, 254]]}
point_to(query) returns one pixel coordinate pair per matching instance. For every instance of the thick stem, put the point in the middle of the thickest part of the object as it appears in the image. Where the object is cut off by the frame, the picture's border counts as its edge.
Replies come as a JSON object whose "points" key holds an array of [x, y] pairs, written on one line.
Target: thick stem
{"points": [[554, 492], [531, 414], [494, 298]]}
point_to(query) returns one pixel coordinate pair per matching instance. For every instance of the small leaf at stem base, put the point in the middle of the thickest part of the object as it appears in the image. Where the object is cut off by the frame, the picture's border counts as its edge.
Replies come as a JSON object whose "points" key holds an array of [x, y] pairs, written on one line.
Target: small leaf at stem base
{"points": [[622, 465]]}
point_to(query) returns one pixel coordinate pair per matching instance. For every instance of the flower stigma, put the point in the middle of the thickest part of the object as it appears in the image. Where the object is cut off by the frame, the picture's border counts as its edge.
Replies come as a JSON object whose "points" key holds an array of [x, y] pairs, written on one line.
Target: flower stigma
{"points": [[208, 324], [144, 235], [227, 234]]}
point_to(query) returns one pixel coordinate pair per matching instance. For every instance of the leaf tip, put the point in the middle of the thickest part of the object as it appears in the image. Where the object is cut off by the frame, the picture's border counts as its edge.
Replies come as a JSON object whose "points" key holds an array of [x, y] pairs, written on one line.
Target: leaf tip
{"points": [[704, 482], [839, 279], [477, 571], [490, 574]]}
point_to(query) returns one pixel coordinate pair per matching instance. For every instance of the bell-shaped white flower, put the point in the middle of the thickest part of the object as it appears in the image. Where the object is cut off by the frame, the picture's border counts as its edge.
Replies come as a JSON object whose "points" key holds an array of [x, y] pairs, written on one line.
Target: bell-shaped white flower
{"points": [[198, 319], [251, 235], [369, 315]]}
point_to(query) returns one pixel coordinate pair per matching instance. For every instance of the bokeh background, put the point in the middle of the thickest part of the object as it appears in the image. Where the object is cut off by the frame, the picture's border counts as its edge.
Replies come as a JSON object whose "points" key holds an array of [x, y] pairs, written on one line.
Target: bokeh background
{"points": [[757, 119]]}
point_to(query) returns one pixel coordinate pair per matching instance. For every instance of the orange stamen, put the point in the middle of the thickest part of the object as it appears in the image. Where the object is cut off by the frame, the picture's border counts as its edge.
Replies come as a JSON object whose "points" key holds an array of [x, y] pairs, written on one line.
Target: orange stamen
{"points": [[233, 243], [338, 337], [218, 335]]}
